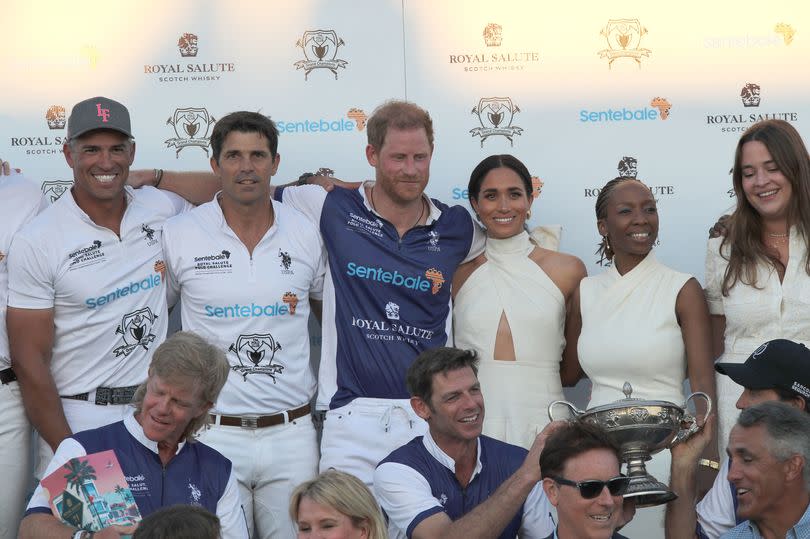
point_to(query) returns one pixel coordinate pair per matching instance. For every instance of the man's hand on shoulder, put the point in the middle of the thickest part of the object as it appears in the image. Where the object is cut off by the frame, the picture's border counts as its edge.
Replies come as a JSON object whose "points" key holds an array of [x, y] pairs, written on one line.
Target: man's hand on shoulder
{"points": [[5, 168]]}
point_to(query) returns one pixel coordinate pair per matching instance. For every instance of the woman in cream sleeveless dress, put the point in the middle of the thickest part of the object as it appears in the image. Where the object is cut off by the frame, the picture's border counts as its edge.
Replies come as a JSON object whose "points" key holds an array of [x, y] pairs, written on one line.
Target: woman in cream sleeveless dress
{"points": [[642, 323], [510, 305]]}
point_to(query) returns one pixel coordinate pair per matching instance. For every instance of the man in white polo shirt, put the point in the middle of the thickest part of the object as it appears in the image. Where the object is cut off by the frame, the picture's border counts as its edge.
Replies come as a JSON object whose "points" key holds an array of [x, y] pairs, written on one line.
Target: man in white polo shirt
{"points": [[247, 269], [20, 201], [87, 301]]}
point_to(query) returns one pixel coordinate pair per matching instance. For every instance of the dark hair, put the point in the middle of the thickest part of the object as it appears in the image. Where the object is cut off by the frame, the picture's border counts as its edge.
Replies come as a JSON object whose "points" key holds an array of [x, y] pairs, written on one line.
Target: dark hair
{"points": [[179, 522], [397, 114], [498, 161], [436, 361], [244, 122], [604, 250], [788, 395], [787, 427], [745, 224], [571, 440]]}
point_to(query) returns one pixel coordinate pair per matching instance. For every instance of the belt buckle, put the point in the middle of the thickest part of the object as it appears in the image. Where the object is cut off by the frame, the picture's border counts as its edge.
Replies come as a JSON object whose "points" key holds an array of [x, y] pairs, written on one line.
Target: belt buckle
{"points": [[249, 422], [102, 396]]}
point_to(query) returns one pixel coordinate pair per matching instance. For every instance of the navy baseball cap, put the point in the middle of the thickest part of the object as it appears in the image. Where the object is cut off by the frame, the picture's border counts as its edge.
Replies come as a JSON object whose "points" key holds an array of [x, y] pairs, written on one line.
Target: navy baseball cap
{"points": [[98, 113], [779, 363]]}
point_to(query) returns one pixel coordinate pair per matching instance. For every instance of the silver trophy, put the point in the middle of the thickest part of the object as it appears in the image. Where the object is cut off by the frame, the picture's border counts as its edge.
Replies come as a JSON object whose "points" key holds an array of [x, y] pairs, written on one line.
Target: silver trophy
{"points": [[642, 428]]}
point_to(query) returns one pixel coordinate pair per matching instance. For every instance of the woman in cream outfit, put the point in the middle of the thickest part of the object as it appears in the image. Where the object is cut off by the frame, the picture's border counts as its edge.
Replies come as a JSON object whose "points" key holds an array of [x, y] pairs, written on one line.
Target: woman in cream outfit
{"points": [[758, 275], [642, 322], [510, 305]]}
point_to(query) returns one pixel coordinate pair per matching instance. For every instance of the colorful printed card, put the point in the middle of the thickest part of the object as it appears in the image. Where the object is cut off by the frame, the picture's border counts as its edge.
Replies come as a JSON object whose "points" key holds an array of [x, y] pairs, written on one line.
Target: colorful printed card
{"points": [[90, 492]]}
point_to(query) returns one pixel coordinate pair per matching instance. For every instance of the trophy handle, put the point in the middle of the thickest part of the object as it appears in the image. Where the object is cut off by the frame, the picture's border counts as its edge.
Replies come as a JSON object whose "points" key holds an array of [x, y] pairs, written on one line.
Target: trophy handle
{"points": [[689, 424], [573, 409]]}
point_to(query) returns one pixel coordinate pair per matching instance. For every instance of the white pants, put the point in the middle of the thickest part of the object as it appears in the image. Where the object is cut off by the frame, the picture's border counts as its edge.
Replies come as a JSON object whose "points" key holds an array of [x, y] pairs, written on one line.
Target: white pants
{"points": [[269, 464], [80, 415], [15, 455], [357, 436]]}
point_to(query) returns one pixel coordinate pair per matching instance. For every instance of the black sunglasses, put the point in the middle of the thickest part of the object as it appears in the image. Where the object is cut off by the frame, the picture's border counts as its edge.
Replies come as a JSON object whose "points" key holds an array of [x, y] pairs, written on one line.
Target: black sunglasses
{"points": [[592, 488]]}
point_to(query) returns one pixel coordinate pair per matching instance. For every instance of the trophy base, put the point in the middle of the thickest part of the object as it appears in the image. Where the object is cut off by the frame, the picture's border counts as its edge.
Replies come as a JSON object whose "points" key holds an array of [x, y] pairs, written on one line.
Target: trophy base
{"points": [[648, 492]]}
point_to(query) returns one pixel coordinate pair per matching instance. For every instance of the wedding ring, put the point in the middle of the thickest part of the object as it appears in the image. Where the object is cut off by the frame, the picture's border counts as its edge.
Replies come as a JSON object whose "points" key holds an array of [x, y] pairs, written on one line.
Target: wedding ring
{"points": [[713, 464]]}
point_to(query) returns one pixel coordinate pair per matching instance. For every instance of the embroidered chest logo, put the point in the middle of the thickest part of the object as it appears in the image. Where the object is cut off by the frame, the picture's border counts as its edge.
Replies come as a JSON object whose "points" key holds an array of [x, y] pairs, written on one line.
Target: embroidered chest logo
{"points": [[54, 189], [136, 329], [86, 256], [194, 494], [392, 311], [290, 299], [148, 234], [255, 353], [286, 263], [443, 499], [433, 241], [213, 263]]}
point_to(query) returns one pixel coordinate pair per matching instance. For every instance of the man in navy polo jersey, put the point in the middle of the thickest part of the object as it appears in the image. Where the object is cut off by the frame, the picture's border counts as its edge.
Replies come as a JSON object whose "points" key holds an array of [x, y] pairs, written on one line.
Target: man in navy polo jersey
{"points": [[453, 482], [779, 370], [155, 445]]}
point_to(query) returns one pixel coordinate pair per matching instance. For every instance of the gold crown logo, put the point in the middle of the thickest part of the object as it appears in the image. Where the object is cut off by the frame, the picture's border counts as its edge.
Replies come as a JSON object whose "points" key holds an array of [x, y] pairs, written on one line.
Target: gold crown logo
{"points": [[187, 44], [493, 35], [55, 117]]}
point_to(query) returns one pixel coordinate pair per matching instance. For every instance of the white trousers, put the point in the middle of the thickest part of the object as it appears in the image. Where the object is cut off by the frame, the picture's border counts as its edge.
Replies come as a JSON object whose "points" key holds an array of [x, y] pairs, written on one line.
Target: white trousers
{"points": [[15, 456], [80, 415], [357, 436], [269, 464]]}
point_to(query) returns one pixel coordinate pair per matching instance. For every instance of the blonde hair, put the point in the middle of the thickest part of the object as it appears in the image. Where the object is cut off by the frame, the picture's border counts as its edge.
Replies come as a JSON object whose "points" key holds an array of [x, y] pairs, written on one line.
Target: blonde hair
{"points": [[187, 358], [345, 493]]}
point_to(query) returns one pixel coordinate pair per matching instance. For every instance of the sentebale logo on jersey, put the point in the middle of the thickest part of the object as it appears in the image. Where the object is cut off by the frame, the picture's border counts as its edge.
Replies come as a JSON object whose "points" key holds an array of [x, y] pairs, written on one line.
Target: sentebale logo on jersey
{"points": [[133, 287], [380, 274]]}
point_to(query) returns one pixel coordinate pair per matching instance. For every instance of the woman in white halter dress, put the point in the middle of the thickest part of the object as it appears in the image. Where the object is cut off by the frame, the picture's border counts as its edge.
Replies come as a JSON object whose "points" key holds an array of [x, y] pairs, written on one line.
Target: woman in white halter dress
{"points": [[642, 323], [510, 305]]}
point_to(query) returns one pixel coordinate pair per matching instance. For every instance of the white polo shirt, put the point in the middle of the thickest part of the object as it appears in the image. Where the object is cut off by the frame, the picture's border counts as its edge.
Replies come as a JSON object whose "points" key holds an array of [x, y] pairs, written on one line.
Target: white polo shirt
{"points": [[254, 307], [107, 292], [20, 201]]}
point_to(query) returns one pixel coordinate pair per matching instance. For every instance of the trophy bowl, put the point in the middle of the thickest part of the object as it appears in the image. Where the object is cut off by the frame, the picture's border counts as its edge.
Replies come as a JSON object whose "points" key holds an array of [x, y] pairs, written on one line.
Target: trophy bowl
{"points": [[642, 428]]}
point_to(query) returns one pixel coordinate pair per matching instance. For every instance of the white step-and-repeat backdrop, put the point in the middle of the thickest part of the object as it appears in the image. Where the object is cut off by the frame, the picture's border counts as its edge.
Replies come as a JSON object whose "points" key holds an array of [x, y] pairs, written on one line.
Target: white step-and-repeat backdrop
{"points": [[580, 91]]}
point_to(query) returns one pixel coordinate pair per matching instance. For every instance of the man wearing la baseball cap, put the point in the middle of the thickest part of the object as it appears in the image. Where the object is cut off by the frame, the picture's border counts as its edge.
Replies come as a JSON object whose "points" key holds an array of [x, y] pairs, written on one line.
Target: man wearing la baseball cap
{"points": [[779, 370], [87, 301]]}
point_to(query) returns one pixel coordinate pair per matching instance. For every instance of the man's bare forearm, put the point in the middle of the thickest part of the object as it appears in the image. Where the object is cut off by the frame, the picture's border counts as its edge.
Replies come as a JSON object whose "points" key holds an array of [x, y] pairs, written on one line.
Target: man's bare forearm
{"points": [[41, 401], [43, 526], [197, 187], [681, 517]]}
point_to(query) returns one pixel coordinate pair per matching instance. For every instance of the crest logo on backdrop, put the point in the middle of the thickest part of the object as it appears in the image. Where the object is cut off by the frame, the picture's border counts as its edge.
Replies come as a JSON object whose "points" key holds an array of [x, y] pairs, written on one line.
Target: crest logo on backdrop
{"points": [[191, 128], [320, 49], [496, 114], [623, 38]]}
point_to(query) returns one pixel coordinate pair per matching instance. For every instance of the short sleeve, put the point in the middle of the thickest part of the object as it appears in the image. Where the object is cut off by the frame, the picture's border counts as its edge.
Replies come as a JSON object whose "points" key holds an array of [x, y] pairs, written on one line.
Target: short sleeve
{"points": [[715, 272], [68, 449], [537, 522], [308, 199], [30, 276], [316, 287], [405, 495]]}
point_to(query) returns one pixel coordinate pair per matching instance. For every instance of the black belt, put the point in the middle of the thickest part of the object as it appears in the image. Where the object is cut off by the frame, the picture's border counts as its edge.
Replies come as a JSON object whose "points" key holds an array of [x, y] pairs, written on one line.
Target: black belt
{"points": [[107, 395], [7, 376], [253, 422]]}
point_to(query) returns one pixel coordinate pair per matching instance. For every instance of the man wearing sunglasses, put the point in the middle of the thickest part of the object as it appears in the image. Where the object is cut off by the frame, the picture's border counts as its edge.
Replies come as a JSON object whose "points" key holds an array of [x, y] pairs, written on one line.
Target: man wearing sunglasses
{"points": [[581, 479], [779, 370], [453, 482]]}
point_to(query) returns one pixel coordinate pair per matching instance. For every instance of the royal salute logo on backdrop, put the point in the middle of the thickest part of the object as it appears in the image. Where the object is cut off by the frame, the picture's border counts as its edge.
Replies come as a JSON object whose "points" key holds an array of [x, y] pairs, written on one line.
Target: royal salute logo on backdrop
{"points": [[628, 167], [187, 45], [786, 31], [737, 121], [55, 116], [43, 143], [136, 330], [358, 117], [186, 71], [623, 38], [191, 126], [255, 353], [495, 114], [53, 189], [491, 59], [320, 52]]}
